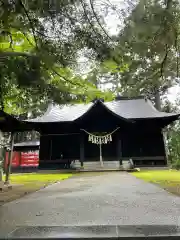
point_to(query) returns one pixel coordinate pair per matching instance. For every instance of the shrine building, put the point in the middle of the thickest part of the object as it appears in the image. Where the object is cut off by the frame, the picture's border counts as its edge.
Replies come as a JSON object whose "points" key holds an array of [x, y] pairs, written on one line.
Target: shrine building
{"points": [[103, 132]]}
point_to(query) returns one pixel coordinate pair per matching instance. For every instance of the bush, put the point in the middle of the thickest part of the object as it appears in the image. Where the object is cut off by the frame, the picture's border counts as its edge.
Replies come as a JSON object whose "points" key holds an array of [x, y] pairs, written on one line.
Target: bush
{"points": [[176, 164]]}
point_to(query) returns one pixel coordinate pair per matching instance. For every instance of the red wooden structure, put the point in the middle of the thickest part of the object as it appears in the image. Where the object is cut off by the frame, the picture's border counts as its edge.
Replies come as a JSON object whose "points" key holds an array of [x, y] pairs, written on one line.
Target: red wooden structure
{"points": [[24, 159]]}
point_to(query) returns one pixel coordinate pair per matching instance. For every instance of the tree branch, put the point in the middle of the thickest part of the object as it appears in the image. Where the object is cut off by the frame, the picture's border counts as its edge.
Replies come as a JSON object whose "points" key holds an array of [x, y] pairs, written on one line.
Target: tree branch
{"points": [[30, 22], [86, 15], [16, 54], [164, 60], [168, 4], [98, 21], [177, 52], [65, 79], [23, 34]]}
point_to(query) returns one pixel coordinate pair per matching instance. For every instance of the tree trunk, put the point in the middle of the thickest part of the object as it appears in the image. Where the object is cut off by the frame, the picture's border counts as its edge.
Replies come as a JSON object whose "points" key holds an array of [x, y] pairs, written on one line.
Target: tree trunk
{"points": [[33, 135], [1, 157], [1, 94], [10, 156], [157, 100]]}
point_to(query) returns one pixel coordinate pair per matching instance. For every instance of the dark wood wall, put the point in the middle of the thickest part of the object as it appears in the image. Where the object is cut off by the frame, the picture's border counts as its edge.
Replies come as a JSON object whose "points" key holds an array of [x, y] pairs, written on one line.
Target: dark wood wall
{"points": [[139, 143], [126, 144], [57, 149]]}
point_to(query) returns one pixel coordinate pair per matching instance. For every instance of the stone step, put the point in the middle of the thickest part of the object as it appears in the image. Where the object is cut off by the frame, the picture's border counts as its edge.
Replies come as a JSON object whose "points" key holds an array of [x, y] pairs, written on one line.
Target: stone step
{"points": [[97, 165]]}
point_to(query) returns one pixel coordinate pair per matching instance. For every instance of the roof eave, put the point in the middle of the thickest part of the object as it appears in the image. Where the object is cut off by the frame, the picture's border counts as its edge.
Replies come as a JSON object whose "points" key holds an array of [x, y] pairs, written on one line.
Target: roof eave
{"points": [[41, 122], [176, 116]]}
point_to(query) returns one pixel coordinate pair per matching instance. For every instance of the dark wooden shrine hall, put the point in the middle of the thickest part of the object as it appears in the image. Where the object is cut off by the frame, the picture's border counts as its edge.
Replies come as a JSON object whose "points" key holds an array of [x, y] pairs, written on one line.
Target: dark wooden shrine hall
{"points": [[138, 132]]}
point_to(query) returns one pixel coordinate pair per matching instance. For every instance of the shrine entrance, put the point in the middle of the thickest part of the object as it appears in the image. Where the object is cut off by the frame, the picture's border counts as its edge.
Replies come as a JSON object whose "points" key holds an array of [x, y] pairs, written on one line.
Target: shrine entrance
{"points": [[100, 146]]}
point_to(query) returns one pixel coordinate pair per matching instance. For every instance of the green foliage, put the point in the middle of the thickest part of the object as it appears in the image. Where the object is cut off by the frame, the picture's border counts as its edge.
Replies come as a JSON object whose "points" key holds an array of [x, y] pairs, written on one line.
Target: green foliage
{"points": [[112, 66], [148, 47], [39, 45], [172, 136], [173, 143], [174, 146]]}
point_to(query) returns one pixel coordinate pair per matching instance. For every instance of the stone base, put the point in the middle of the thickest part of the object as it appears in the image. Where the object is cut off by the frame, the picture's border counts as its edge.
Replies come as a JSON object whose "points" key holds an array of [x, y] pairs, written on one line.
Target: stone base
{"points": [[1, 185], [4, 186]]}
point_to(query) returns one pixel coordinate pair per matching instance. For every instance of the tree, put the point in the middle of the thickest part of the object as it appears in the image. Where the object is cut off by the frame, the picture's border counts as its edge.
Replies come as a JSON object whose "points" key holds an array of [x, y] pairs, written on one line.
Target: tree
{"points": [[173, 135], [39, 46], [149, 45]]}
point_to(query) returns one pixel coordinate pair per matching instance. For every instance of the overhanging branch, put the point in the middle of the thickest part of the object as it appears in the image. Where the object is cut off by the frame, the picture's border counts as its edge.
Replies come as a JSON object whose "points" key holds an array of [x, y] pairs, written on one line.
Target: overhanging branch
{"points": [[98, 21], [164, 61], [30, 22]]}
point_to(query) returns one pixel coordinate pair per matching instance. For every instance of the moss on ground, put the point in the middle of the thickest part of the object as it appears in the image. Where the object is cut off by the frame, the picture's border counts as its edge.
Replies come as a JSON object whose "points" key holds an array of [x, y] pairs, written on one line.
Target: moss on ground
{"points": [[167, 179]]}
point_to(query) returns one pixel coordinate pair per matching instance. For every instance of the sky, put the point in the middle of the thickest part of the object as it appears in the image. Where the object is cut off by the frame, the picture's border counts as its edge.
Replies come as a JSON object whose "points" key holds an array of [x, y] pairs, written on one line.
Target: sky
{"points": [[114, 22], [174, 93]]}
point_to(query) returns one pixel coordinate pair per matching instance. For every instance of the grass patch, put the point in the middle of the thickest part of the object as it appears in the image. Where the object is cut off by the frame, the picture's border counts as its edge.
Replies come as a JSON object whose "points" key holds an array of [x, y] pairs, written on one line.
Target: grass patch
{"points": [[23, 184], [167, 179], [38, 177]]}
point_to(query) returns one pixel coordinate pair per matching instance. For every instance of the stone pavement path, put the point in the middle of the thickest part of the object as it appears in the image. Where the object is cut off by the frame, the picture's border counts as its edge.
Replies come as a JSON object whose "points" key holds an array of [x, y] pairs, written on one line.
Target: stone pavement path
{"points": [[104, 198]]}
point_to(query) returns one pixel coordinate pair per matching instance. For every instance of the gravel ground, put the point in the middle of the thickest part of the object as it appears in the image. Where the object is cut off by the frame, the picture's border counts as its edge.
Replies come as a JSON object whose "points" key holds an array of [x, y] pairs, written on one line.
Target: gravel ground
{"points": [[109, 198]]}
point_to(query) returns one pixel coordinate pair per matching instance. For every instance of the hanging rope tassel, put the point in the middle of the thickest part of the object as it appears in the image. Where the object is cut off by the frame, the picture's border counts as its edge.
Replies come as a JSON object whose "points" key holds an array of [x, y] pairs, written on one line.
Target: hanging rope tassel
{"points": [[90, 138], [110, 138], [100, 139]]}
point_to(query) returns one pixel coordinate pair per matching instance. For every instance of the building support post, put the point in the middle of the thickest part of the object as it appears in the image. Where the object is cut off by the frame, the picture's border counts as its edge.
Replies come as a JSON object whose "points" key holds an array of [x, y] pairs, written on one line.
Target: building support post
{"points": [[82, 149], [119, 151], [10, 156], [50, 157], [100, 155]]}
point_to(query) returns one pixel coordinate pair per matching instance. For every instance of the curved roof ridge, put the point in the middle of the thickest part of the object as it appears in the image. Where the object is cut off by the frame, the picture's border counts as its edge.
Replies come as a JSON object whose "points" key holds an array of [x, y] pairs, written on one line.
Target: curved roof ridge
{"points": [[99, 101], [49, 108], [160, 112], [152, 106]]}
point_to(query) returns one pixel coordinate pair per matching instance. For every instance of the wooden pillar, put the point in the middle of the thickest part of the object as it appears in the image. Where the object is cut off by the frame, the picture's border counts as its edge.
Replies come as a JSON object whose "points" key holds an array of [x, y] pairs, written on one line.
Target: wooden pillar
{"points": [[82, 149], [100, 155], [50, 157], [119, 151], [10, 156]]}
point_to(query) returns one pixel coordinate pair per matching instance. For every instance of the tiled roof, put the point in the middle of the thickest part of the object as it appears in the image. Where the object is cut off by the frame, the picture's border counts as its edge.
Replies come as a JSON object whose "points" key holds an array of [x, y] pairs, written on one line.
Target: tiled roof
{"points": [[138, 108]]}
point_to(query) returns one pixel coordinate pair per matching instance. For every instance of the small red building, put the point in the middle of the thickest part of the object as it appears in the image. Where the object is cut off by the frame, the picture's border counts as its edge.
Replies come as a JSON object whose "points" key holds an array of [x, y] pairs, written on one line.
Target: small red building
{"points": [[25, 156]]}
